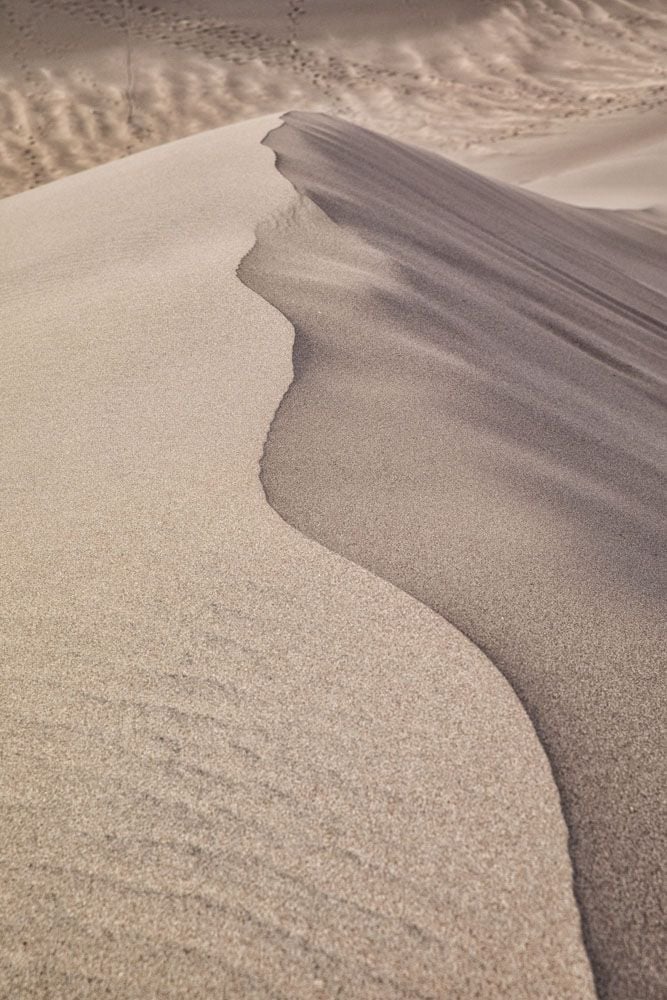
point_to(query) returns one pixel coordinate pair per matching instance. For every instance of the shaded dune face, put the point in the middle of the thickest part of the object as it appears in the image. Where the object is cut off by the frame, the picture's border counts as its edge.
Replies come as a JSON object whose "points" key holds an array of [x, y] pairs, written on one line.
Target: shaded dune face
{"points": [[477, 415]]}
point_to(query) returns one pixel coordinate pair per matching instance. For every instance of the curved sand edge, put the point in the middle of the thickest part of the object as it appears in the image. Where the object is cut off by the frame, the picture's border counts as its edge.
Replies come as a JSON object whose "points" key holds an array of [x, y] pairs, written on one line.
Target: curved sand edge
{"points": [[477, 416], [234, 764]]}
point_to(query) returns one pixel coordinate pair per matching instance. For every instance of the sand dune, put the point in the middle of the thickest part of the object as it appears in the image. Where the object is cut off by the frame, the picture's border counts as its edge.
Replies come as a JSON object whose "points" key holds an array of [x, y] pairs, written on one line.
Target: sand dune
{"points": [[233, 763], [615, 163], [84, 82], [478, 415], [242, 755]]}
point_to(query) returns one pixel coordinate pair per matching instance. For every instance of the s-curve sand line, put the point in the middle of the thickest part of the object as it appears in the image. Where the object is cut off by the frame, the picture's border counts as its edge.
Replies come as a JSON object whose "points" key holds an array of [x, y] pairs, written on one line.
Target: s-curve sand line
{"points": [[233, 764], [478, 415]]}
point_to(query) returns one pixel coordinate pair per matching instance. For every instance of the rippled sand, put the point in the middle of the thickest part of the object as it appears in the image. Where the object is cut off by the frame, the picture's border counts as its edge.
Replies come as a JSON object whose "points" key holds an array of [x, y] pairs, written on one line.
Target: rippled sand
{"points": [[83, 83]]}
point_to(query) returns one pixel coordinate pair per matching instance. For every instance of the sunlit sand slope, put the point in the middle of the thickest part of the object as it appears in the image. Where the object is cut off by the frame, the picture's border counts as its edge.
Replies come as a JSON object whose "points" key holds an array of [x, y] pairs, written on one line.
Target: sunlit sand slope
{"points": [[233, 764], [478, 416]]}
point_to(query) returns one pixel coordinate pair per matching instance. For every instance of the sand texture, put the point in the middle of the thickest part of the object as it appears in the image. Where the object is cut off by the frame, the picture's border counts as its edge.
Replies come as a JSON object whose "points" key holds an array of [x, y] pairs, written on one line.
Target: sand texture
{"points": [[233, 764], [478, 416], [86, 81]]}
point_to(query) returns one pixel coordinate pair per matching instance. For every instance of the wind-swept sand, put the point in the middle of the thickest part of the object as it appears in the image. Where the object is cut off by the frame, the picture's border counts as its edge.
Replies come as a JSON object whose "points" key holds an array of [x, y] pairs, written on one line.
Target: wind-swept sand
{"points": [[233, 763], [478, 416], [86, 81]]}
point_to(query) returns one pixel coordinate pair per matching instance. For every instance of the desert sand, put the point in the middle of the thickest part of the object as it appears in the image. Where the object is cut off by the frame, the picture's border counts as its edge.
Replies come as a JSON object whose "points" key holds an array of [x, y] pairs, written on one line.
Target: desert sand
{"points": [[332, 499], [234, 764], [85, 81], [478, 415]]}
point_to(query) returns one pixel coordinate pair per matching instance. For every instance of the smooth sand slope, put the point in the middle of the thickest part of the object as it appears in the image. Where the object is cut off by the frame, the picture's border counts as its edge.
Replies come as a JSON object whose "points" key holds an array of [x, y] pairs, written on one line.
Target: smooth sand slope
{"points": [[615, 163], [478, 416], [86, 81], [233, 764]]}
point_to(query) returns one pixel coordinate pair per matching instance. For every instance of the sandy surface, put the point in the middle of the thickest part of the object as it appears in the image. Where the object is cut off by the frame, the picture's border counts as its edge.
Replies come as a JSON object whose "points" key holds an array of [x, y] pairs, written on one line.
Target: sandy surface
{"points": [[612, 163], [478, 416], [86, 81], [233, 764]]}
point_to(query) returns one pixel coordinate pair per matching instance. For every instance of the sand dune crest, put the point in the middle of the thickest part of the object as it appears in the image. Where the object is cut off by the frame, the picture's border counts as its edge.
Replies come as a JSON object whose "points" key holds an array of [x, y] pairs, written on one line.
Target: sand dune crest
{"points": [[478, 415], [234, 764]]}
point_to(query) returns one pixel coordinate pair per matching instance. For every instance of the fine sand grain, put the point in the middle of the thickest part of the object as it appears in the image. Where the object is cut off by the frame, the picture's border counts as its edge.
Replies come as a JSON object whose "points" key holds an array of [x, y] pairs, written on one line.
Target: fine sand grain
{"points": [[233, 764], [478, 415]]}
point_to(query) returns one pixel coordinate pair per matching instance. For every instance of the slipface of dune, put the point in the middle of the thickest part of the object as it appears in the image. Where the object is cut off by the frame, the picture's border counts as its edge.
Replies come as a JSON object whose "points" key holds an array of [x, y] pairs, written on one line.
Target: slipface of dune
{"points": [[86, 81], [234, 764], [478, 416]]}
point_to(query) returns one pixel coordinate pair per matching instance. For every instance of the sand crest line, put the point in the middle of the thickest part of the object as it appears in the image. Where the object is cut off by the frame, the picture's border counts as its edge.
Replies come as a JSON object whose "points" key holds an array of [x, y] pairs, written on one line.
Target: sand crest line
{"points": [[208, 727], [408, 330], [292, 212]]}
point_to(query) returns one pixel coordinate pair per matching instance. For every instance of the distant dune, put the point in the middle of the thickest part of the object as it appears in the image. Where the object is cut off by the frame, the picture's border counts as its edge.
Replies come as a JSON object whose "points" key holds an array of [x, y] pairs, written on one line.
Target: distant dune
{"points": [[478, 415], [86, 81]]}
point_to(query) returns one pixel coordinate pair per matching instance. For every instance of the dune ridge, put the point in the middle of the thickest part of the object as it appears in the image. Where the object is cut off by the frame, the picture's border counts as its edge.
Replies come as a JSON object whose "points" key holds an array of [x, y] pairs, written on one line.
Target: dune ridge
{"points": [[233, 764], [478, 416]]}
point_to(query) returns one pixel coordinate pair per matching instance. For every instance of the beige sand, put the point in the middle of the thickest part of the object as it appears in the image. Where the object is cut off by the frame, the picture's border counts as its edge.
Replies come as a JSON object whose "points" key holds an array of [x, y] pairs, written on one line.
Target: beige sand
{"points": [[614, 163], [479, 416], [470, 79], [233, 764]]}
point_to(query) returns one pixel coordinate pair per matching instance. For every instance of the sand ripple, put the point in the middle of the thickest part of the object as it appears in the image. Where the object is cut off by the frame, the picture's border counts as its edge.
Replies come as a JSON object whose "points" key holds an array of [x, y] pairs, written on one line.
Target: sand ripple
{"points": [[461, 78], [233, 764]]}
